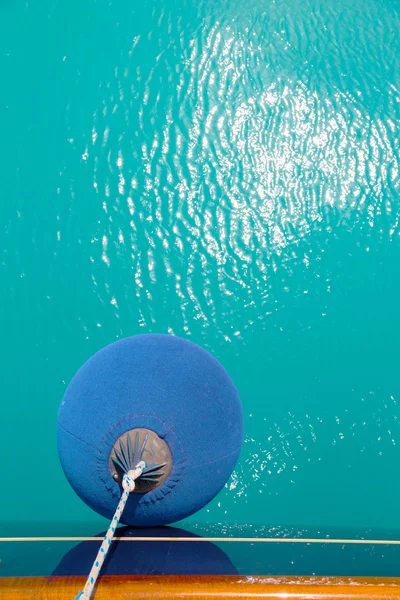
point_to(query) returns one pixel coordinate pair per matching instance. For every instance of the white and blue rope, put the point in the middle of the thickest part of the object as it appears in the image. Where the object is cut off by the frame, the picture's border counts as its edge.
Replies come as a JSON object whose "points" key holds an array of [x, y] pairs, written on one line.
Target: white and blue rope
{"points": [[128, 484]]}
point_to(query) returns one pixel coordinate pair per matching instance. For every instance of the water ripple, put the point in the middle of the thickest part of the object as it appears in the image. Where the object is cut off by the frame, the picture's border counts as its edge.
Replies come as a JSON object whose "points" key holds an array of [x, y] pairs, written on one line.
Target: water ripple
{"points": [[230, 173], [250, 140]]}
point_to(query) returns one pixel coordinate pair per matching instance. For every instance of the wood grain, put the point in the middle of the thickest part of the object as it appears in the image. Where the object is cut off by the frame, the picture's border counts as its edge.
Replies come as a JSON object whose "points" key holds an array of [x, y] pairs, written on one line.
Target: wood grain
{"points": [[190, 587]]}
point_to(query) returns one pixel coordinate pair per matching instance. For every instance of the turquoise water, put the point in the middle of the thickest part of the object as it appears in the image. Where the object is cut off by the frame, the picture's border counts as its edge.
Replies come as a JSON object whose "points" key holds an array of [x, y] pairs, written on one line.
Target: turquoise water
{"points": [[227, 172]]}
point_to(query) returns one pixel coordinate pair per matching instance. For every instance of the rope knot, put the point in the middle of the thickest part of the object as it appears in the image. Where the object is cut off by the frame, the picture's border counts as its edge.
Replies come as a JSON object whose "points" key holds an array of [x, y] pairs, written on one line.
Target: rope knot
{"points": [[128, 481]]}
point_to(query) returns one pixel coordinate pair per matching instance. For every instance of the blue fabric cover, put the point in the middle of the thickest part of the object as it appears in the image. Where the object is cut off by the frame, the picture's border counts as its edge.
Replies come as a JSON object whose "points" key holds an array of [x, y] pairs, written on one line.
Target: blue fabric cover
{"points": [[166, 384]]}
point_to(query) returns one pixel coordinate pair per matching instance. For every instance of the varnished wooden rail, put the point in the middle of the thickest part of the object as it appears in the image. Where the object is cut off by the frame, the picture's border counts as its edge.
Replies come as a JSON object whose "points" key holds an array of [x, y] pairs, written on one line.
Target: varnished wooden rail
{"points": [[202, 587]]}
